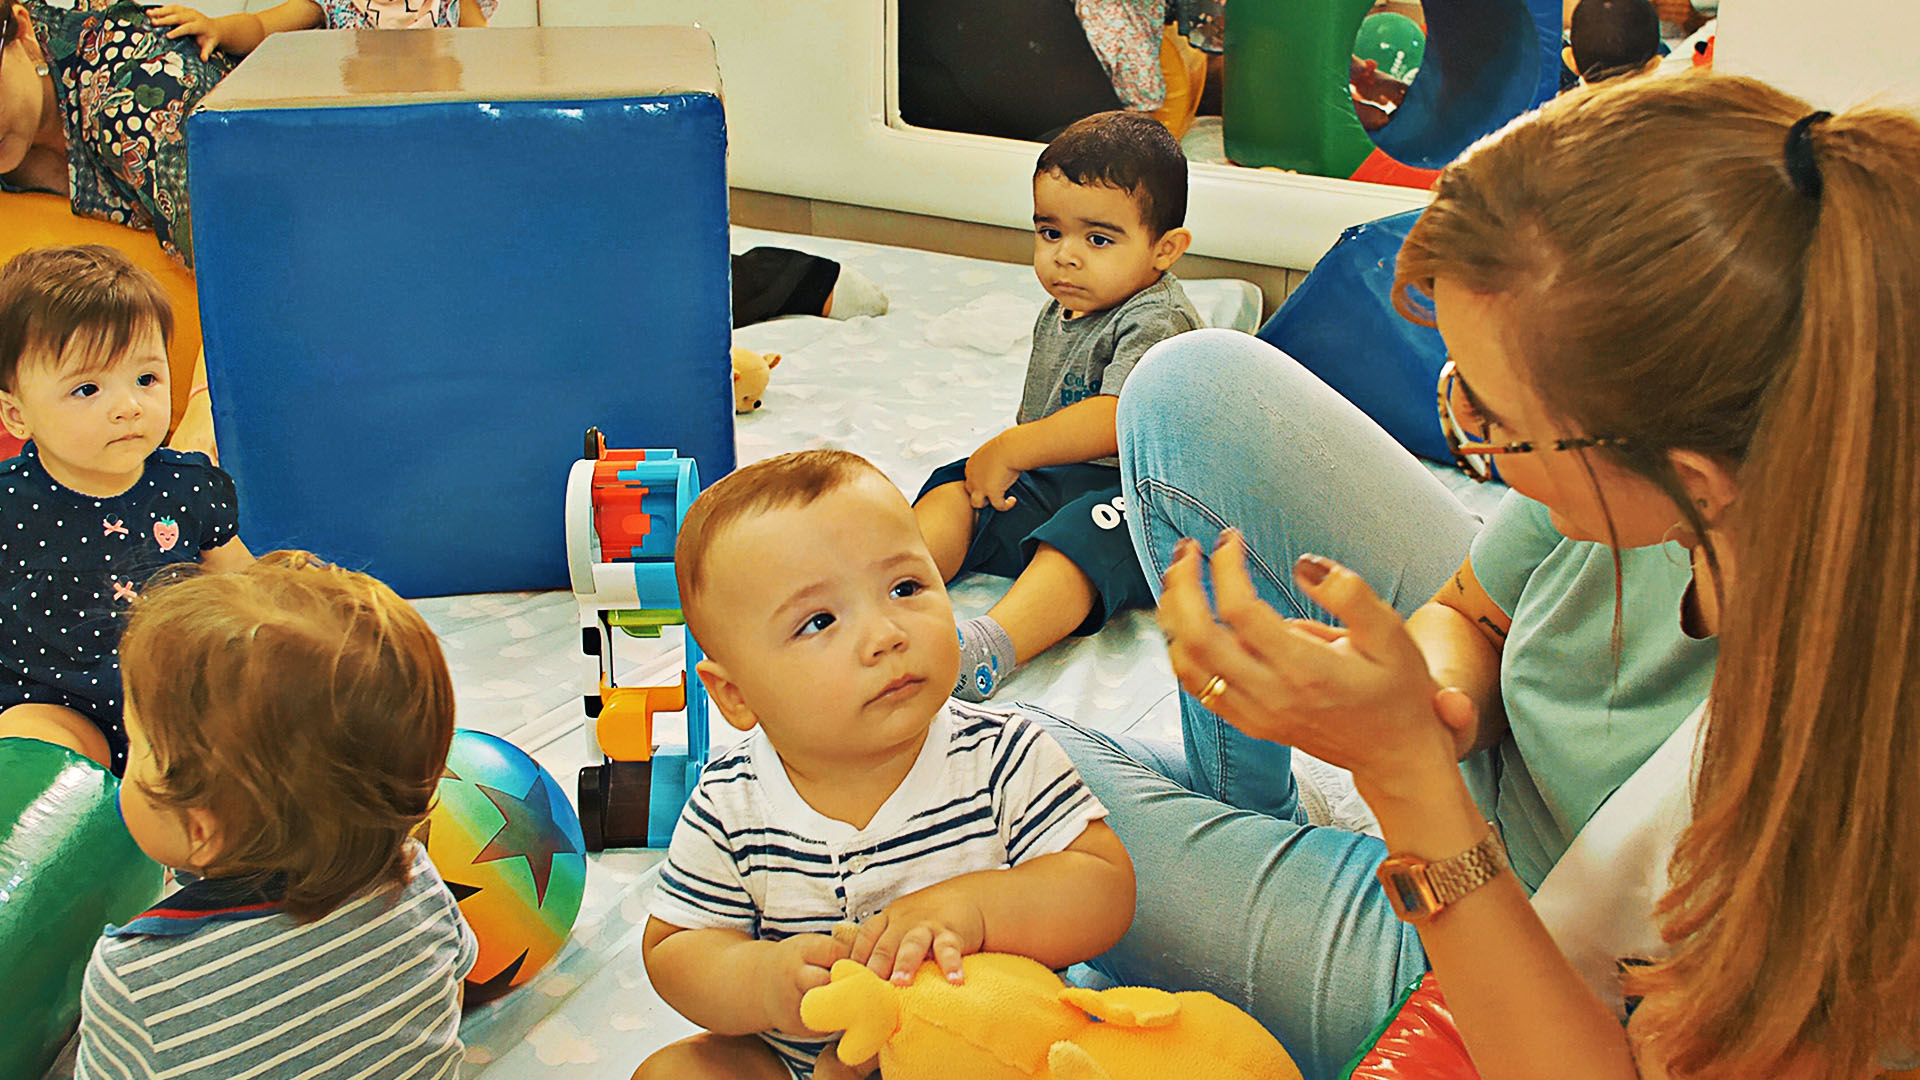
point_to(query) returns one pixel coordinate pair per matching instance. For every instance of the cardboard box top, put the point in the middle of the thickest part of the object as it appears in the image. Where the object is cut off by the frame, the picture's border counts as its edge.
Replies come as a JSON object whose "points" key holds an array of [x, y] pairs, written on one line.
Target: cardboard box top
{"points": [[351, 68]]}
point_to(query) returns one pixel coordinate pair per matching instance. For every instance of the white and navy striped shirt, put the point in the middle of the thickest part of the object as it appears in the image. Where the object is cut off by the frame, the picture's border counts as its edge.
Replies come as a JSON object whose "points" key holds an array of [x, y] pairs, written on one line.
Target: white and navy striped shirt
{"points": [[990, 790], [201, 988]]}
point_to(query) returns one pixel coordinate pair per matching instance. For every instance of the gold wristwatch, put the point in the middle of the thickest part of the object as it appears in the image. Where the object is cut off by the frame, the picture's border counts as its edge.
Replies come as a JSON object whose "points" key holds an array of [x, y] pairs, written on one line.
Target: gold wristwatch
{"points": [[1420, 890]]}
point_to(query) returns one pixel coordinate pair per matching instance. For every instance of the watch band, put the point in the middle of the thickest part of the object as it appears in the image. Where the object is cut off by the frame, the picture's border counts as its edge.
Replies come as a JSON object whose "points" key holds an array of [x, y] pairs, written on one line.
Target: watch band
{"points": [[1456, 877], [1420, 890]]}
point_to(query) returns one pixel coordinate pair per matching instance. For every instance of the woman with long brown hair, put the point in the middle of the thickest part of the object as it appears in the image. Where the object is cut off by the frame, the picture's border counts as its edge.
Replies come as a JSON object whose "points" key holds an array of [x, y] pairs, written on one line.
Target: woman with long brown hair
{"points": [[1679, 310]]}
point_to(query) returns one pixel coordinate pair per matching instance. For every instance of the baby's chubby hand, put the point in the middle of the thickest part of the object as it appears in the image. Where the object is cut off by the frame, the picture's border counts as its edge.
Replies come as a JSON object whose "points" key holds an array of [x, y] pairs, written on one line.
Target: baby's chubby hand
{"points": [[990, 473], [941, 921], [187, 22], [790, 968]]}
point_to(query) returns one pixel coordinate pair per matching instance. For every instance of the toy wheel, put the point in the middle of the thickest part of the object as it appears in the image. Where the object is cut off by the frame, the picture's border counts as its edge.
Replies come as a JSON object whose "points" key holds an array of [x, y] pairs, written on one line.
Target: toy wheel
{"points": [[593, 807], [593, 703], [589, 641]]}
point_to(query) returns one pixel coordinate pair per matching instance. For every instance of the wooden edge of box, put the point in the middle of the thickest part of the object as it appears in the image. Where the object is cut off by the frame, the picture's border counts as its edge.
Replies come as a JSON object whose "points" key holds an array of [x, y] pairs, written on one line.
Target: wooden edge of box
{"points": [[358, 68]]}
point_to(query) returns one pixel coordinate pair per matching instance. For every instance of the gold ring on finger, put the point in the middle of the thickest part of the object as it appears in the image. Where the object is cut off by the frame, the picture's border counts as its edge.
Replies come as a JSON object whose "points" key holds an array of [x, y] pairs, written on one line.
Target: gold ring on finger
{"points": [[1211, 692]]}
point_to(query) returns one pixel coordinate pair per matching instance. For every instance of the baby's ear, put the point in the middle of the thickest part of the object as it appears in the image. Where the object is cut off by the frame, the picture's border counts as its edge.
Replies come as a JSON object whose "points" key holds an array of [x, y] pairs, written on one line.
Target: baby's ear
{"points": [[10, 414], [1172, 244], [203, 834], [725, 695]]}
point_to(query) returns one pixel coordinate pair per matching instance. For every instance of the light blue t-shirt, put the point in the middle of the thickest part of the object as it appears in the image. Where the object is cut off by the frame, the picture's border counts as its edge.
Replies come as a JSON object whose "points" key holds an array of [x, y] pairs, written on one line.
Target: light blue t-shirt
{"points": [[1582, 716]]}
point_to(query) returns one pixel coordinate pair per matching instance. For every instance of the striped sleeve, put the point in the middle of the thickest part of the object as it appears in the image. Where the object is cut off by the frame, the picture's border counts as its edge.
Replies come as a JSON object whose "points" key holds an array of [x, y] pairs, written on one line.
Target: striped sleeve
{"points": [[115, 1043], [700, 884], [468, 950], [1039, 800]]}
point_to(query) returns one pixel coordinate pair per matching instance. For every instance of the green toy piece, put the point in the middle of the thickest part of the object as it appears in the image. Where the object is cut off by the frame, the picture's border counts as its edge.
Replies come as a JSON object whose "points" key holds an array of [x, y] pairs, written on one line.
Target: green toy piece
{"points": [[646, 622], [1286, 101], [1394, 42], [68, 868]]}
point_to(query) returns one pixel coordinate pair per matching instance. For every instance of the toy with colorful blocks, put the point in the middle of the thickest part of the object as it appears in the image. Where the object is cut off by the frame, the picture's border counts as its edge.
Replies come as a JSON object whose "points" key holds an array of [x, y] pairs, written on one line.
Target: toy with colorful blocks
{"points": [[624, 509], [67, 869], [509, 847]]}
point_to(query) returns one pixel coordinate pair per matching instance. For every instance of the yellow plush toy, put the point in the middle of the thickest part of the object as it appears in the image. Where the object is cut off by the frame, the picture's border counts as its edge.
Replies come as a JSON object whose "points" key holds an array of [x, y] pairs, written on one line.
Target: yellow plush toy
{"points": [[1012, 1019], [751, 373]]}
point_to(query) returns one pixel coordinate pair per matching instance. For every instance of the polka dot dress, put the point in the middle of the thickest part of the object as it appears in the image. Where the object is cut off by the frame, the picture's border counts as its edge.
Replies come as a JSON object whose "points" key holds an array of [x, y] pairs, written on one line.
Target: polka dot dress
{"points": [[73, 564]]}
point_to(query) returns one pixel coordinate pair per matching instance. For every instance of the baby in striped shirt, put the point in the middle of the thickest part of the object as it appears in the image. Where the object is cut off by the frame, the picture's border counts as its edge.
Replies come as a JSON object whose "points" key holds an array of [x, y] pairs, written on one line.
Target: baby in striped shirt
{"points": [[863, 795], [287, 726]]}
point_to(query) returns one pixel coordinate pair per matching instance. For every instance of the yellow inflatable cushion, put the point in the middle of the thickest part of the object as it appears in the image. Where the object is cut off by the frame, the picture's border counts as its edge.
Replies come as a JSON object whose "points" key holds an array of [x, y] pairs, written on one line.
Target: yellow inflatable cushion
{"points": [[31, 220]]}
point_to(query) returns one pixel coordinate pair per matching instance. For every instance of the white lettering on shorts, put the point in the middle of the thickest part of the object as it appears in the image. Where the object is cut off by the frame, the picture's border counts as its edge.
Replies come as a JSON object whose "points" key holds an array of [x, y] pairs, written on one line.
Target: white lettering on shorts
{"points": [[1111, 515]]}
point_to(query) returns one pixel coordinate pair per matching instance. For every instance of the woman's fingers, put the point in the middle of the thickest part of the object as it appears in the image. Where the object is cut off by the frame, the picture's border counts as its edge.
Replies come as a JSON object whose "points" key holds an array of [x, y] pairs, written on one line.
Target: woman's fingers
{"points": [[1200, 648], [1253, 620], [1371, 622], [1317, 629], [1460, 715], [1183, 608]]}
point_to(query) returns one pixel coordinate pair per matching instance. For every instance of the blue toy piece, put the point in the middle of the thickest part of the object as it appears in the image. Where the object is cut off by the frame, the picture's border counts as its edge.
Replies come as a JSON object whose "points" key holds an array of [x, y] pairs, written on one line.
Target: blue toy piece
{"points": [[1486, 62], [1341, 324], [423, 259], [623, 514]]}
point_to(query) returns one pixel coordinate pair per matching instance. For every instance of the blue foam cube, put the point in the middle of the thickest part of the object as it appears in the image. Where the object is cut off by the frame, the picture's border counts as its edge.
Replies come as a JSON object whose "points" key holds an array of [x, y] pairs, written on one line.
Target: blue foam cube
{"points": [[428, 261]]}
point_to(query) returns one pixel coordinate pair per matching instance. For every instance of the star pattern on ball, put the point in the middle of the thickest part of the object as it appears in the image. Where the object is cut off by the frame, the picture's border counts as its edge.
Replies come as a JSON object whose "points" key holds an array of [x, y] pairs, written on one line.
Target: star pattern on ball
{"points": [[481, 991], [525, 833]]}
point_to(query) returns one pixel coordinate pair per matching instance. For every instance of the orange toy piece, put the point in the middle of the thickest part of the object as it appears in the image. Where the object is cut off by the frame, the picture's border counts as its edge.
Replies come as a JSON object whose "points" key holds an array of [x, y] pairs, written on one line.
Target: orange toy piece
{"points": [[1012, 1019], [619, 514], [626, 717]]}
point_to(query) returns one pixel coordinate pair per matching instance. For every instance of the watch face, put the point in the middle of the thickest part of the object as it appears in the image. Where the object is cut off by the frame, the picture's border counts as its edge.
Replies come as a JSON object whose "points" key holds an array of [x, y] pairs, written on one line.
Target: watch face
{"points": [[1406, 893], [1408, 889]]}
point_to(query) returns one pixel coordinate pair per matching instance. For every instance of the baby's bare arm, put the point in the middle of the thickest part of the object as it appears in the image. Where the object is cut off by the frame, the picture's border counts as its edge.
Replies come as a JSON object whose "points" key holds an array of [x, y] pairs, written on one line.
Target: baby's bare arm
{"points": [[228, 557], [1083, 431], [240, 33], [1064, 908]]}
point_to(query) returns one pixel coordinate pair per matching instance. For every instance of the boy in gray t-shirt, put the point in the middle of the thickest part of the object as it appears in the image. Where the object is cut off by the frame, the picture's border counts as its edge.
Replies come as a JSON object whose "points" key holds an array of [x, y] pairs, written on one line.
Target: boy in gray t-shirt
{"points": [[1041, 502]]}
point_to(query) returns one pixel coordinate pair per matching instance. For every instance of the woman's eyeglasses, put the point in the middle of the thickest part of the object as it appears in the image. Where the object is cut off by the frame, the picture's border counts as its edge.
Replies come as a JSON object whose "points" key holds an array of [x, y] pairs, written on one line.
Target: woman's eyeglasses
{"points": [[1467, 431]]}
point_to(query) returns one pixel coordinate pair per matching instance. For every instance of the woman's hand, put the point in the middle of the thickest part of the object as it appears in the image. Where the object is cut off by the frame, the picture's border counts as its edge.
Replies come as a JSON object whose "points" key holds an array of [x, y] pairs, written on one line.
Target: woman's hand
{"points": [[1359, 697]]}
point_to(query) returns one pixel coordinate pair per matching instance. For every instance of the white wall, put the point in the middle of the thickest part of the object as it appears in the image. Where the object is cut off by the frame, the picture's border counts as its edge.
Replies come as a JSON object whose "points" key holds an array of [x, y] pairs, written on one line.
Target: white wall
{"points": [[808, 103], [1834, 54], [807, 107]]}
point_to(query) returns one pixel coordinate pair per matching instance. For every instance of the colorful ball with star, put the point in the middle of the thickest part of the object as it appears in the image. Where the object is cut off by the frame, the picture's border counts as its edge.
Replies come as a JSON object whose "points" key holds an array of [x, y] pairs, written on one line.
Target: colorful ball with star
{"points": [[508, 844]]}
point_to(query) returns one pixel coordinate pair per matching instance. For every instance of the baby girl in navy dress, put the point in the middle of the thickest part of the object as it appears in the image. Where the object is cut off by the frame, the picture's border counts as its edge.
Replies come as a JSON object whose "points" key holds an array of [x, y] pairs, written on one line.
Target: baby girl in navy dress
{"points": [[93, 505]]}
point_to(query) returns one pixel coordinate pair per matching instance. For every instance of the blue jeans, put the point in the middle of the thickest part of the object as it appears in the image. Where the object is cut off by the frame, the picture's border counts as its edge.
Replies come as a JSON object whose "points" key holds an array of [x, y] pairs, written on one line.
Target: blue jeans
{"points": [[1238, 895]]}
